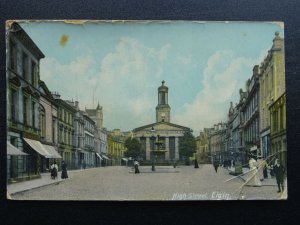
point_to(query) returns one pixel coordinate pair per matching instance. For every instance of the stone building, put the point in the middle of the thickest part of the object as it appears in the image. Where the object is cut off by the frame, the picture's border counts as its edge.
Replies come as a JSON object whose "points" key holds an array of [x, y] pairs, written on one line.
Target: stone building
{"points": [[249, 119], [66, 147], [272, 87], [89, 141], [162, 130], [116, 146], [23, 95], [202, 151], [278, 129], [48, 126], [216, 142], [100, 134]]}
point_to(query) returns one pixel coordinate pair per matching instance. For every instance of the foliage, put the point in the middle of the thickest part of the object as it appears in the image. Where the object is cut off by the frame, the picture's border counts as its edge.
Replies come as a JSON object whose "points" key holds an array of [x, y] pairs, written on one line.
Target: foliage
{"points": [[187, 145], [134, 148]]}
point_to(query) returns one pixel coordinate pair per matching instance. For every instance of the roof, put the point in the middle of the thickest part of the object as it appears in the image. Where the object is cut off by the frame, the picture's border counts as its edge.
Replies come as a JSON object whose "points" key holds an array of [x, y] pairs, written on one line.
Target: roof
{"points": [[20, 34], [153, 124]]}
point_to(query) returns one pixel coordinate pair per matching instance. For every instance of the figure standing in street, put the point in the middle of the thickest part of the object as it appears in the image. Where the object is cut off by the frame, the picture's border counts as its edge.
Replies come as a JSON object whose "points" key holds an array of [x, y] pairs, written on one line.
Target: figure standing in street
{"points": [[64, 173], [136, 166], [196, 164], [216, 165], [279, 171], [53, 170], [253, 174]]}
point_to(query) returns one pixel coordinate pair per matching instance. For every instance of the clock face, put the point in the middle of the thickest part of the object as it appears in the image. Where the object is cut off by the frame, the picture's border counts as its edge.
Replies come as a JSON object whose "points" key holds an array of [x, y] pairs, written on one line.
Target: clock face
{"points": [[163, 114]]}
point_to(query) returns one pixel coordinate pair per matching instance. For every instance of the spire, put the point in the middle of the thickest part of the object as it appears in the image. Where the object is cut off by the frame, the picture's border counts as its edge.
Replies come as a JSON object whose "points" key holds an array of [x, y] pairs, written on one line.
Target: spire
{"points": [[98, 106]]}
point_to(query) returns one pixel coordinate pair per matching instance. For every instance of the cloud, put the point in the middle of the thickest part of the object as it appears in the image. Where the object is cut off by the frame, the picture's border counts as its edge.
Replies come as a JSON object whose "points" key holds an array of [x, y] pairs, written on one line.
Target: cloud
{"points": [[223, 75], [122, 82]]}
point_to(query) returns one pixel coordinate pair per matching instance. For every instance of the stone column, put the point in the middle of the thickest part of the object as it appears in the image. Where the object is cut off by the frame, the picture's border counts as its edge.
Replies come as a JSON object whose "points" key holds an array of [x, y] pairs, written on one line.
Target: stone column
{"points": [[176, 148], [167, 148], [148, 156]]}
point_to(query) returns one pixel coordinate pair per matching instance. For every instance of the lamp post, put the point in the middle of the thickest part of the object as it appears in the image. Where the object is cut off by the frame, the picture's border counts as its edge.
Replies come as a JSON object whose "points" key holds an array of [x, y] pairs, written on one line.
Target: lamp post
{"points": [[152, 155]]}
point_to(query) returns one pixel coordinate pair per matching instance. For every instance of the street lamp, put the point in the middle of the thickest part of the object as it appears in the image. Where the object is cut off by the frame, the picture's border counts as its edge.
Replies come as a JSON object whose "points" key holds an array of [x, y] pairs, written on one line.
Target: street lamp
{"points": [[152, 155]]}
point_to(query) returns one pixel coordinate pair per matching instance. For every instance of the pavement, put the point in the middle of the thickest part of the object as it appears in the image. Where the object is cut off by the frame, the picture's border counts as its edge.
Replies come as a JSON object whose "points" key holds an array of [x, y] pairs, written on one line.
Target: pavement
{"points": [[166, 183], [45, 180]]}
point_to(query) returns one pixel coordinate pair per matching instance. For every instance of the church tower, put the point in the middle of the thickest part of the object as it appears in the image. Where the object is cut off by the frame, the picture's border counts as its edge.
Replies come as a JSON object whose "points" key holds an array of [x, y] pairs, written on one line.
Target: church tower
{"points": [[99, 116], [163, 109]]}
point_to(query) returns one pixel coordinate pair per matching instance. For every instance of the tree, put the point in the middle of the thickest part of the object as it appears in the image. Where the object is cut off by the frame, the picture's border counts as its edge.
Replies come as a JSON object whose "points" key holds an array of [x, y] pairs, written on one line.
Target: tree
{"points": [[187, 145], [134, 148]]}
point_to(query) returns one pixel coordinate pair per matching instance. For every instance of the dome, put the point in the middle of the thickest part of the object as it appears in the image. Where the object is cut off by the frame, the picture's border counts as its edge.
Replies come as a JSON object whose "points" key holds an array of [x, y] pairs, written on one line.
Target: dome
{"points": [[163, 87]]}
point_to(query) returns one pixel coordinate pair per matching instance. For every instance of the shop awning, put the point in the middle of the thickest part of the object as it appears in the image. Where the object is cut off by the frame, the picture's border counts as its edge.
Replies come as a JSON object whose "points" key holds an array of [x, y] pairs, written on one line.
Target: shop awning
{"points": [[38, 147], [52, 151], [99, 156], [125, 159], [12, 150], [105, 157], [45, 150]]}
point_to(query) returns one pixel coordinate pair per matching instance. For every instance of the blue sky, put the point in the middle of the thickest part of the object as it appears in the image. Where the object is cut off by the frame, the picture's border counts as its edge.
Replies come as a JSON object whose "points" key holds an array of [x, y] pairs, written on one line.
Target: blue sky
{"points": [[122, 65]]}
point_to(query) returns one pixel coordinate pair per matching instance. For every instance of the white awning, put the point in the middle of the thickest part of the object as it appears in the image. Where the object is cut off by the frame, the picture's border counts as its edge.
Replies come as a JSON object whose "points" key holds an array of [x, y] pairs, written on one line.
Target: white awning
{"points": [[105, 157], [12, 150], [99, 156], [38, 147], [52, 151], [125, 159], [253, 148], [45, 150]]}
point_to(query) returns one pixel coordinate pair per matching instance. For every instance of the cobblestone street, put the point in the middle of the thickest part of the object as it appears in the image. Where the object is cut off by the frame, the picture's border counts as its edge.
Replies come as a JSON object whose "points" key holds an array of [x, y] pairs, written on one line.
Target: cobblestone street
{"points": [[167, 183]]}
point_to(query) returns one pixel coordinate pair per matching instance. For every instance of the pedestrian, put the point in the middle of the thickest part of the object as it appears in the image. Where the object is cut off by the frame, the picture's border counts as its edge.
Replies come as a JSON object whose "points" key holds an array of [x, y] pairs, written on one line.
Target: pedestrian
{"points": [[216, 165], [196, 164], [64, 173], [53, 170], [253, 179], [279, 171], [84, 165], [136, 166]]}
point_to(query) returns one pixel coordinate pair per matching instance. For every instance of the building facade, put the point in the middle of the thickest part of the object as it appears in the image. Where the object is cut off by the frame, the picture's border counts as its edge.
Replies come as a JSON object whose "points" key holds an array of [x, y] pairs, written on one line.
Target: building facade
{"points": [[163, 131], [48, 126], [66, 145], [278, 130], [249, 122], [216, 142], [272, 87], [23, 75], [202, 152]]}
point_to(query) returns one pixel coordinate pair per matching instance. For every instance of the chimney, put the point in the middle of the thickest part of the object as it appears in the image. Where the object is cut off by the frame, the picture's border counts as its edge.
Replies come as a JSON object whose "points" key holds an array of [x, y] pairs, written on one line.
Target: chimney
{"points": [[55, 95], [77, 105], [256, 70]]}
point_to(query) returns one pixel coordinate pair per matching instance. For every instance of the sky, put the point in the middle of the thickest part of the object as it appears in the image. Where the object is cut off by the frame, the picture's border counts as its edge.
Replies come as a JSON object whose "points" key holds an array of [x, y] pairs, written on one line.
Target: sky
{"points": [[121, 65]]}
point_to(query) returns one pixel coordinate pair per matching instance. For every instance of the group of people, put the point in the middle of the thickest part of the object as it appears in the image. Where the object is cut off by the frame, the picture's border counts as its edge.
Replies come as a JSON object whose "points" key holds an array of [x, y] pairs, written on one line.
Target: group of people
{"points": [[54, 170]]}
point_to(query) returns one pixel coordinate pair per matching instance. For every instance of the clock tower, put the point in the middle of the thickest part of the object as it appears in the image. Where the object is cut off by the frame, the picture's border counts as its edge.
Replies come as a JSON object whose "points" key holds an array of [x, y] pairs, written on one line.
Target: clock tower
{"points": [[163, 109]]}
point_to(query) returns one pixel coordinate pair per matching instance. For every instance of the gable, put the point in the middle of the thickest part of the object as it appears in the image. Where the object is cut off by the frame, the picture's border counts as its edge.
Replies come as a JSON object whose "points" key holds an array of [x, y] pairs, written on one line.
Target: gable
{"points": [[161, 126]]}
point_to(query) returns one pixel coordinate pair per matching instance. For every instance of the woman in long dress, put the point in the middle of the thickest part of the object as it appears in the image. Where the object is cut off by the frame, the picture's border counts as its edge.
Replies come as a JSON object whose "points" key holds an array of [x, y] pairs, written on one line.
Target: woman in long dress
{"points": [[253, 179], [64, 173]]}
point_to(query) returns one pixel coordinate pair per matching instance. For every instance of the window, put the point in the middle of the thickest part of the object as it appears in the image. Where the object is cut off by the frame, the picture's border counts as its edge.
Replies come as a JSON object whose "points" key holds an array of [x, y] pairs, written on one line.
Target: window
{"points": [[42, 122], [13, 104], [53, 130], [25, 108], [33, 73], [13, 56], [281, 117], [33, 114], [25, 66]]}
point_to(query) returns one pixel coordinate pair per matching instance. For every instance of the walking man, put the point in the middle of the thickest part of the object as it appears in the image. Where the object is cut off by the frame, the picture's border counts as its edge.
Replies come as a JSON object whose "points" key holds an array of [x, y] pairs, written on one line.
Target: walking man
{"points": [[216, 165], [279, 171]]}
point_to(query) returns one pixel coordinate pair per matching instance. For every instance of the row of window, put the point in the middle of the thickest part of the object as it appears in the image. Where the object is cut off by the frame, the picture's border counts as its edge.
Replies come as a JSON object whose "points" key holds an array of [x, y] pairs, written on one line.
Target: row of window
{"points": [[29, 109], [251, 133], [65, 116], [29, 66], [278, 120], [251, 107]]}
